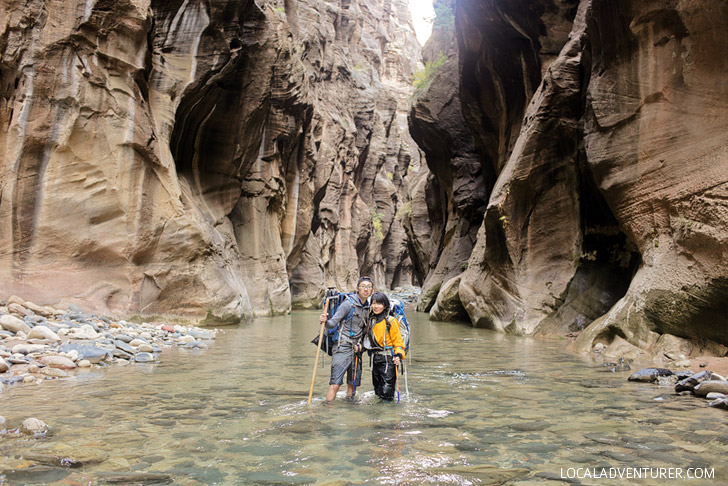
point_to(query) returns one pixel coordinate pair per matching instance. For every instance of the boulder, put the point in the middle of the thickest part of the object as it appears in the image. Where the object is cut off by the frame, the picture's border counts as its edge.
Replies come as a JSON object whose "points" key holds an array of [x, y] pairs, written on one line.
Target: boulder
{"points": [[60, 362], [648, 375], [90, 352], [13, 324], [43, 332], [711, 386]]}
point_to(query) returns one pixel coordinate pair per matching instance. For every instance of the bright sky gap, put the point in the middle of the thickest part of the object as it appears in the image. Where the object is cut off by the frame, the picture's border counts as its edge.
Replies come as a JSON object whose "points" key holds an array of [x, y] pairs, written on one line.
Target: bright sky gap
{"points": [[422, 15]]}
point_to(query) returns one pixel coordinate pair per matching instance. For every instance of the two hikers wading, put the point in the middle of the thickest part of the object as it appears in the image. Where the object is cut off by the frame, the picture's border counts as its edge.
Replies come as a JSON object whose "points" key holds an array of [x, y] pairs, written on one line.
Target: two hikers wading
{"points": [[362, 321], [352, 316]]}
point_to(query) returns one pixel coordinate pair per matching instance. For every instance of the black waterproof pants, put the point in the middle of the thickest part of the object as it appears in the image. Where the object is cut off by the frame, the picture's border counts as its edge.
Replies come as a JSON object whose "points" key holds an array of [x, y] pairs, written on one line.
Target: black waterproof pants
{"points": [[384, 375]]}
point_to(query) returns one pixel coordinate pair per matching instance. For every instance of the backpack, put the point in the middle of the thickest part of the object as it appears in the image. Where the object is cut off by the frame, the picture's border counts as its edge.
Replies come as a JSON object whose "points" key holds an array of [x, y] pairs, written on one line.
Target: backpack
{"points": [[396, 310], [331, 336]]}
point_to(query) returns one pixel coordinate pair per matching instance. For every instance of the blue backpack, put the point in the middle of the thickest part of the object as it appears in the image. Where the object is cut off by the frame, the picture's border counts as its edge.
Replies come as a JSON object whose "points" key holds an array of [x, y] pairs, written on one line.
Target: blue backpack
{"points": [[396, 310], [331, 336]]}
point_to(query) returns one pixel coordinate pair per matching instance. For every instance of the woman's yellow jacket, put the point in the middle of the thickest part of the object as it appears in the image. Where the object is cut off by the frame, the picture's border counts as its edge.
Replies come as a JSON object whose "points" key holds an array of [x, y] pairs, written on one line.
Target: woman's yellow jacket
{"points": [[394, 337]]}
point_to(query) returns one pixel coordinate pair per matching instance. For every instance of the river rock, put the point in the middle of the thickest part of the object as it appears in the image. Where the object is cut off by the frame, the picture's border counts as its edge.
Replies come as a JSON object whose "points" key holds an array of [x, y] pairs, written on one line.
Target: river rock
{"points": [[145, 348], [32, 426], [714, 396], [19, 310], [40, 310], [3, 366], [201, 334], [13, 324], [719, 403], [118, 353], [709, 386], [60, 362], [43, 332], [144, 358], [63, 455], [648, 375], [84, 363], [84, 332], [53, 372], [26, 348], [689, 383], [185, 339], [14, 299], [138, 342], [125, 338], [124, 347], [94, 354]]}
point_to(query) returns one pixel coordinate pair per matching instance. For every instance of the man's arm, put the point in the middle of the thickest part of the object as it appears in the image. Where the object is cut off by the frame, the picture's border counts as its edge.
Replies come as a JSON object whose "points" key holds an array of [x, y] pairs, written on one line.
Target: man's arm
{"points": [[340, 314]]}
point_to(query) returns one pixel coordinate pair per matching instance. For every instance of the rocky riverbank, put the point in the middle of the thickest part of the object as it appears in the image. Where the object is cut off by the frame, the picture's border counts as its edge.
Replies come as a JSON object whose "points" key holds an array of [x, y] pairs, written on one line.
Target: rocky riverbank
{"points": [[39, 343], [704, 384]]}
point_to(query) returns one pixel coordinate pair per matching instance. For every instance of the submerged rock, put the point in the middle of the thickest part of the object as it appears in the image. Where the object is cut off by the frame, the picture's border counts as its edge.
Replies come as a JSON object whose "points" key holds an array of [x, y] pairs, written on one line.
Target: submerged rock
{"points": [[33, 426]]}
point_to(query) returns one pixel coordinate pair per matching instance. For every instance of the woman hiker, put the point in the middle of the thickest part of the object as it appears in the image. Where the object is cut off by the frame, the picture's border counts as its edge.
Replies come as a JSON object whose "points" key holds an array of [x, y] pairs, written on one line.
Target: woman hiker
{"points": [[386, 344]]}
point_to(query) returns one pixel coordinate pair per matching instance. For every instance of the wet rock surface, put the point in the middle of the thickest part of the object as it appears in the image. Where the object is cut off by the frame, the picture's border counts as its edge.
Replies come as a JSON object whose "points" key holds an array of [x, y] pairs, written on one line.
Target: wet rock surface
{"points": [[704, 384]]}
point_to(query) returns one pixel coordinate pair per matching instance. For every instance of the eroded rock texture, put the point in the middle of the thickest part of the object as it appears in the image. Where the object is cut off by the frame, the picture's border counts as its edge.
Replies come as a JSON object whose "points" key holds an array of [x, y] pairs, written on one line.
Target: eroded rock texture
{"points": [[193, 158], [454, 190], [604, 124]]}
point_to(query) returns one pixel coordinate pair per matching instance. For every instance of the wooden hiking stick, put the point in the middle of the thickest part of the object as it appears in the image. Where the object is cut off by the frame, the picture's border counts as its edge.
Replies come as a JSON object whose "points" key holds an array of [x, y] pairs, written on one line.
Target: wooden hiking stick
{"points": [[318, 352], [356, 366]]}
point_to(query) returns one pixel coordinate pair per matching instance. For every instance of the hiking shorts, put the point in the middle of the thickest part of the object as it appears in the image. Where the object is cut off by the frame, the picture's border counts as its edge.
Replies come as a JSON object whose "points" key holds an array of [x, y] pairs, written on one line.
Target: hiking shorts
{"points": [[343, 362]]}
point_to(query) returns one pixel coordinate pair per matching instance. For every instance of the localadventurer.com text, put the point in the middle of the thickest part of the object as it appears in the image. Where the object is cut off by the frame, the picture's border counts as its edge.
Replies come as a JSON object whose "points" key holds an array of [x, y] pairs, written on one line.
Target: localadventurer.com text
{"points": [[637, 473]]}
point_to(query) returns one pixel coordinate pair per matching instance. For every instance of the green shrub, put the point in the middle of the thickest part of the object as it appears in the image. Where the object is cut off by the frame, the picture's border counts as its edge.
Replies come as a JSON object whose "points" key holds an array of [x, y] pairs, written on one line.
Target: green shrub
{"points": [[423, 78], [377, 223]]}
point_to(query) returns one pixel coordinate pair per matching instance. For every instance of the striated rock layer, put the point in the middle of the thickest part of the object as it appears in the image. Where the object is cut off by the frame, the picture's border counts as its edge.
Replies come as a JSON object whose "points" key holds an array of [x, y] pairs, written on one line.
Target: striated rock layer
{"points": [[202, 158], [604, 124]]}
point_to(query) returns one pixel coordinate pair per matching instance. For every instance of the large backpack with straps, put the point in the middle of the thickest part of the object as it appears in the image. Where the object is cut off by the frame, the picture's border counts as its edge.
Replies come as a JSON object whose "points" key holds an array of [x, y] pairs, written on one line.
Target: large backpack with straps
{"points": [[396, 310], [331, 336]]}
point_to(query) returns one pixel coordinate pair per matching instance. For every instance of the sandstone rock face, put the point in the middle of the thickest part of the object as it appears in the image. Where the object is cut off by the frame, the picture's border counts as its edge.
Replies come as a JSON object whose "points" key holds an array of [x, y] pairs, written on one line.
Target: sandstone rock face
{"points": [[193, 157], [656, 144], [455, 195], [603, 123]]}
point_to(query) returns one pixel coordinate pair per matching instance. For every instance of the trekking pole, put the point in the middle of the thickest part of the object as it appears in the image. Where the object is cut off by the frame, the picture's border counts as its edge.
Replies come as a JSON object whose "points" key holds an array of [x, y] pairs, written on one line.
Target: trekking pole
{"points": [[318, 352], [396, 374], [356, 366], [406, 387]]}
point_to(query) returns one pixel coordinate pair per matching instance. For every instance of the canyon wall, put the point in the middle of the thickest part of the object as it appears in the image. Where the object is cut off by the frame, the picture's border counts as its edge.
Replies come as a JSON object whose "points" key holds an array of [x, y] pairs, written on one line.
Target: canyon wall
{"points": [[223, 159], [603, 124]]}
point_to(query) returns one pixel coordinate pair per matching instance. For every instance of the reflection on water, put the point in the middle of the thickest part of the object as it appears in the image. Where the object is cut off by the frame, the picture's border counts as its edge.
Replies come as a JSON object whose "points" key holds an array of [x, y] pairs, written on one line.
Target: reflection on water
{"points": [[483, 408]]}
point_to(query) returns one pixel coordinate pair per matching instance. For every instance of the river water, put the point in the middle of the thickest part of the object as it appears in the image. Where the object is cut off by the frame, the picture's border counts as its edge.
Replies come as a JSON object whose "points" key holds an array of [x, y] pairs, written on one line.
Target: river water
{"points": [[482, 408]]}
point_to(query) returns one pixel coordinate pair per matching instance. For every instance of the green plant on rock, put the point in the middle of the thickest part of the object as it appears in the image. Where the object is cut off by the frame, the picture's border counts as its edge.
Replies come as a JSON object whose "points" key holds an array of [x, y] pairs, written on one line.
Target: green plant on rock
{"points": [[377, 223], [444, 16], [404, 211], [504, 221], [423, 78]]}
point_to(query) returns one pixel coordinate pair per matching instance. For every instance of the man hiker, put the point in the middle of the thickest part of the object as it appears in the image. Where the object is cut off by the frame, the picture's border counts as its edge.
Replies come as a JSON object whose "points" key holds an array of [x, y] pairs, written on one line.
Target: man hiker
{"points": [[352, 317]]}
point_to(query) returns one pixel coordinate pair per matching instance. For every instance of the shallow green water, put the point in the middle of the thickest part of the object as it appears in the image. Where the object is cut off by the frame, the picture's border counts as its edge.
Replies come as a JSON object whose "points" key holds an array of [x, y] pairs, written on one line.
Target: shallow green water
{"points": [[483, 408]]}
